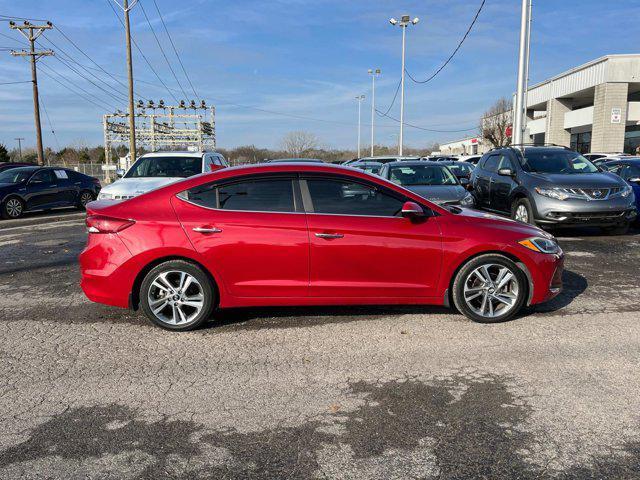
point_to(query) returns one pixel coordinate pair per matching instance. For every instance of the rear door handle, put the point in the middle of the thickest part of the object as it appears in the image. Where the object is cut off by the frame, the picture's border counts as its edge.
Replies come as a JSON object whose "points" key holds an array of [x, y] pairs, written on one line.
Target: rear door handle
{"points": [[329, 235], [207, 230]]}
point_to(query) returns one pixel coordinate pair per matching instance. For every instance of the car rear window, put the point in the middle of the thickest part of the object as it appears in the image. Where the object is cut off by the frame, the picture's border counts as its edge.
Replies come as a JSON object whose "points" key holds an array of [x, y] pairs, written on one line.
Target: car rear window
{"points": [[169, 166]]}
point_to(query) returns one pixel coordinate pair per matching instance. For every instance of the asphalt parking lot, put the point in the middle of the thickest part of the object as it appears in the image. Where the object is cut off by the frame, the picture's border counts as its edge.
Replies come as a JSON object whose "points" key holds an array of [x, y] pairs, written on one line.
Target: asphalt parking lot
{"points": [[89, 391]]}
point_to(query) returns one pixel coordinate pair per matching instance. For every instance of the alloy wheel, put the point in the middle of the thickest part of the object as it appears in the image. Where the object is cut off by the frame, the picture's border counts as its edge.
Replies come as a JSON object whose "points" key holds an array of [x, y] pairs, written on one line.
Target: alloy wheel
{"points": [[85, 198], [491, 290], [522, 214], [176, 297], [13, 207]]}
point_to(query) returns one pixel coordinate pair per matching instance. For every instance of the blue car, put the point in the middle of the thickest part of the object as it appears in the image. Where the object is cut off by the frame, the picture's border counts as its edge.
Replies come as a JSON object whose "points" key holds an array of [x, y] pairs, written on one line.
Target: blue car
{"points": [[629, 169], [25, 189]]}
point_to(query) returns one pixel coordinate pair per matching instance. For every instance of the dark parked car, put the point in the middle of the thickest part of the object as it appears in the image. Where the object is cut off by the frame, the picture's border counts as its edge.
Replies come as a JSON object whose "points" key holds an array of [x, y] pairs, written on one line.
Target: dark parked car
{"points": [[552, 186], [431, 180], [629, 170], [24, 189], [8, 165]]}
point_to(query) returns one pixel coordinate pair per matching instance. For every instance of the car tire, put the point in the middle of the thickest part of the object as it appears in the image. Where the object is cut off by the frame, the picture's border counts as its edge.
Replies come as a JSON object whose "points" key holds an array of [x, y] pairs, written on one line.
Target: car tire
{"points": [[12, 208], [84, 197], [488, 301], [621, 229], [521, 211], [177, 295]]}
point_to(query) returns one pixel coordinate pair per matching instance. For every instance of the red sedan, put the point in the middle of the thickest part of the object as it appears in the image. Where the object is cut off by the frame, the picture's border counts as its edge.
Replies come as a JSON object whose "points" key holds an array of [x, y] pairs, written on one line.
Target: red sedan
{"points": [[308, 234]]}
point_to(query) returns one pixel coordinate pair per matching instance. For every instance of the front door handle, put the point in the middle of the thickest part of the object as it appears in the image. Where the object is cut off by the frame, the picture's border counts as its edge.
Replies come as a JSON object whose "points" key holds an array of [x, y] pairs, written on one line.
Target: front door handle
{"points": [[207, 230], [329, 235]]}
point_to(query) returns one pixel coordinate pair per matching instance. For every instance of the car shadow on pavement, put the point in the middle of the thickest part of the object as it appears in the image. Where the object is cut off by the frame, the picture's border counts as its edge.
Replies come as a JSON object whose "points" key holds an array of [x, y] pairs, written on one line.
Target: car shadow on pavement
{"points": [[290, 317], [464, 426], [573, 285]]}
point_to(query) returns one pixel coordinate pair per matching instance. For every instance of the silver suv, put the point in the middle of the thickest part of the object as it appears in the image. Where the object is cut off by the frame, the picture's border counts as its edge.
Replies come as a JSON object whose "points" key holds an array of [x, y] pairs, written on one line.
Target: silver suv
{"points": [[552, 186]]}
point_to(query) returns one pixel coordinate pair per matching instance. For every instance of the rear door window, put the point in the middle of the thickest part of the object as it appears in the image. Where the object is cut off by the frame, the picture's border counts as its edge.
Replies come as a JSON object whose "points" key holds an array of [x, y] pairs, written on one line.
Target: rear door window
{"points": [[256, 195]]}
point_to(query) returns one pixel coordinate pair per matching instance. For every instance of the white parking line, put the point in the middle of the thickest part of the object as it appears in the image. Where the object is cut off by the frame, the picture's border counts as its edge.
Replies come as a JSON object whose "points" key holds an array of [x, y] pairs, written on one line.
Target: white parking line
{"points": [[44, 227]]}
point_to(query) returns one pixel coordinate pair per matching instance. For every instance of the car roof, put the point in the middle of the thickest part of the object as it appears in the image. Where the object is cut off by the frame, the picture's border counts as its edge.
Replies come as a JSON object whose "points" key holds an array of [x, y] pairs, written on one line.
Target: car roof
{"points": [[25, 168], [385, 157], [410, 163], [625, 160], [294, 160]]}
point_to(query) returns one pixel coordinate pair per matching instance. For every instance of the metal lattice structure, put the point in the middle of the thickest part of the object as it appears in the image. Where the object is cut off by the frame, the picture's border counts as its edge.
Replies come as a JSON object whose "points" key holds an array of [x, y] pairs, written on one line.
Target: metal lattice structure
{"points": [[166, 127]]}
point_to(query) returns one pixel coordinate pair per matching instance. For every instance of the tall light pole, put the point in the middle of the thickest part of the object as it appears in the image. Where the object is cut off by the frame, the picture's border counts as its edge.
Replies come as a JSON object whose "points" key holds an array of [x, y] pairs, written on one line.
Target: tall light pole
{"points": [[374, 73], [359, 98], [19, 139], [404, 22], [126, 7], [519, 110]]}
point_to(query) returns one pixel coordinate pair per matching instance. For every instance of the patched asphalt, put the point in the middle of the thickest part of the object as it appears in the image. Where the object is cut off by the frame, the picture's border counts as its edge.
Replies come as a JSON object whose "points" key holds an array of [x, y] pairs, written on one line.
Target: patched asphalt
{"points": [[89, 391]]}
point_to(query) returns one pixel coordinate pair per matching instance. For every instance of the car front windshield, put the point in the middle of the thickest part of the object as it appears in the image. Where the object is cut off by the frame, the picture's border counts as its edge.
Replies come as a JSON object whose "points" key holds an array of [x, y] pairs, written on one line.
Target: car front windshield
{"points": [[412, 175], [557, 161], [16, 175], [165, 167]]}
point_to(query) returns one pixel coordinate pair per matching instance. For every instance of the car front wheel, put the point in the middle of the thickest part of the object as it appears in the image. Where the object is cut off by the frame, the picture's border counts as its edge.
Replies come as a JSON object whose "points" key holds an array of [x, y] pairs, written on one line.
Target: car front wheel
{"points": [[521, 211], [177, 295], [12, 208], [84, 198], [490, 288]]}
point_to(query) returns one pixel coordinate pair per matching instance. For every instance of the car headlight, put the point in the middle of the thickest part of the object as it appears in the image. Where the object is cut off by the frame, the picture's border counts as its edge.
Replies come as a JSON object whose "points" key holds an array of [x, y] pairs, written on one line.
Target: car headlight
{"points": [[541, 245], [105, 196], [552, 193], [626, 190], [467, 200]]}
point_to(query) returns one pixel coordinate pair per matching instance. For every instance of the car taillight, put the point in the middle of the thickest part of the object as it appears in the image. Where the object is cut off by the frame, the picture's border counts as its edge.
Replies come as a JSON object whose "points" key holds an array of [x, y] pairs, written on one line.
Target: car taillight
{"points": [[102, 224]]}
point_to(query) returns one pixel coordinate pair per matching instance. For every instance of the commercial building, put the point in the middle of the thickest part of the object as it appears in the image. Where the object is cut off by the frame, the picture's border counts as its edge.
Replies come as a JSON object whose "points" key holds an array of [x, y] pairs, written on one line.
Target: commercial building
{"points": [[591, 108]]}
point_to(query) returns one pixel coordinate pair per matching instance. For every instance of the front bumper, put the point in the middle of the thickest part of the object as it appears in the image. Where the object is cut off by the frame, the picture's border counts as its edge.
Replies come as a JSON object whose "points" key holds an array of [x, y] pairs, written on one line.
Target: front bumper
{"points": [[572, 212]]}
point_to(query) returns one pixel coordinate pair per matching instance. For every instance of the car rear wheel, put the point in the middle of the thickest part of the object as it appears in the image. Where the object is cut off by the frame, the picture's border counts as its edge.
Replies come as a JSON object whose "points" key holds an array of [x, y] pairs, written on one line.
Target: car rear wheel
{"points": [[85, 197], [177, 295], [13, 207], [490, 288], [522, 212]]}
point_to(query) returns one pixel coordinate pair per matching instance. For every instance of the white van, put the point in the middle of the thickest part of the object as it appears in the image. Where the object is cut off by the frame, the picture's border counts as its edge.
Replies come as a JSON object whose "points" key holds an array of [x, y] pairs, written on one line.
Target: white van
{"points": [[157, 169]]}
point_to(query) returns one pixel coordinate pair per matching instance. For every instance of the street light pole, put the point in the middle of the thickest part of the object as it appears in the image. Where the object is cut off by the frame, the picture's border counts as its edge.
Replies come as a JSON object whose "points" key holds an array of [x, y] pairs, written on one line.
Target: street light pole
{"points": [[403, 23], [359, 98], [19, 139], [374, 74], [523, 70]]}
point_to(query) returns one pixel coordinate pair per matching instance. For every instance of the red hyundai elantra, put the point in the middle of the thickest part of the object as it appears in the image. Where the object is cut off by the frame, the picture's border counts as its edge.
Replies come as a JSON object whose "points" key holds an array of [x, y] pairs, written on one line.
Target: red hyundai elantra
{"points": [[308, 234]]}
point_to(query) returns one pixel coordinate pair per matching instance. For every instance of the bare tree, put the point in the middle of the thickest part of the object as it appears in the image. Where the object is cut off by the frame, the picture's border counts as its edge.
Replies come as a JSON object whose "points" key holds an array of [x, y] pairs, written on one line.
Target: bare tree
{"points": [[496, 123], [299, 143]]}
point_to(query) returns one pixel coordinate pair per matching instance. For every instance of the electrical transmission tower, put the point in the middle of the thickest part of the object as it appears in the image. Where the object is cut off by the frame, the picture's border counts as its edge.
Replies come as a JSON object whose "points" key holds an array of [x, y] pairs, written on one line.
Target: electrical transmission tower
{"points": [[31, 33]]}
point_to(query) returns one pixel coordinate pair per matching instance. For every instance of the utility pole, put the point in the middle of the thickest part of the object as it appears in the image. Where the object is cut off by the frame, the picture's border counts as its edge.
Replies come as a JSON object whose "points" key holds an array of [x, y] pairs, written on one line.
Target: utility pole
{"points": [[523, 72], [374, 74], [404, 22], [31, 33], [19, 139], [126, 7], [359, 98]]}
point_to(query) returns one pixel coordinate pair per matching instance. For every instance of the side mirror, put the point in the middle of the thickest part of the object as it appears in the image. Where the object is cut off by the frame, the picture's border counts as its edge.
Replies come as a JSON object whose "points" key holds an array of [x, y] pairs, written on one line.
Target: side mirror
{"points": [[505, 172], [120, 173], [412, 210], [464, 181], [634, 180]]}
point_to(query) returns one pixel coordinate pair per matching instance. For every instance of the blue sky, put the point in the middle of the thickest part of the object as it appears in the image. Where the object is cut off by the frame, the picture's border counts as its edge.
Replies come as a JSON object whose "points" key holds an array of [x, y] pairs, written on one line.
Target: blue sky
{"points": [[308, 59]]}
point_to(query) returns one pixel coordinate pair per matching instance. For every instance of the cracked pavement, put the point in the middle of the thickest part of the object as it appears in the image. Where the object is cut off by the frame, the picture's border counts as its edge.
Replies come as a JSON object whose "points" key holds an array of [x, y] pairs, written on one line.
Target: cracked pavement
{"points": [[89, 391]]}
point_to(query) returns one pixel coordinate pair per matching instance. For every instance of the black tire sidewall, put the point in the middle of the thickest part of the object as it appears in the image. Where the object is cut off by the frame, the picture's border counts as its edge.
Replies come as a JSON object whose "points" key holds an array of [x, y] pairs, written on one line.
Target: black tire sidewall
{"points": [[4, 212], [527, 205], [80, 205], [190, 268], [459, 280]]}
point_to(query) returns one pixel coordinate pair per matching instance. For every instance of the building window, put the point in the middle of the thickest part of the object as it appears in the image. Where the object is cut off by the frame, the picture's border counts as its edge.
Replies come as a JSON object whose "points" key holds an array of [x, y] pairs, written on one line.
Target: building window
{"points": [[581, 142], [632, 139]]}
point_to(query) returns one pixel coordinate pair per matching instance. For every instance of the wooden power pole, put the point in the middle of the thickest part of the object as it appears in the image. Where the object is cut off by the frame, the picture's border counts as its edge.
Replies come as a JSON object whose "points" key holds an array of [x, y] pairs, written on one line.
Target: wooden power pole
{"points": [[31, 33]]}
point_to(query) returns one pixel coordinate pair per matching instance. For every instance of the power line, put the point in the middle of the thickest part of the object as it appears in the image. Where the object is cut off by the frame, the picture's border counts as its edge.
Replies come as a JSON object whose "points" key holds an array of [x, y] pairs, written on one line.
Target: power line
{"points": [[423, 128], [174, 49], [142, 54], [13, 83], [53, 132], [6, 18], [454, 52], [395, 95], [102, 106], [90, 59], [162, 50], [69, 58]]}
